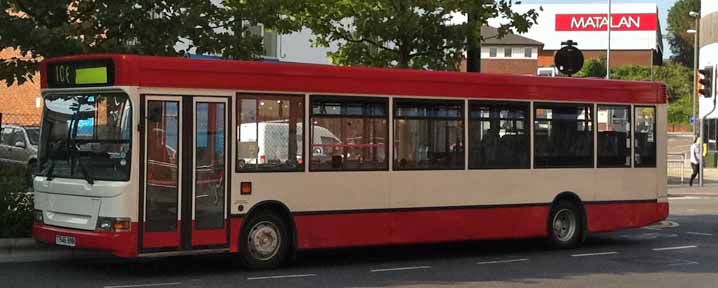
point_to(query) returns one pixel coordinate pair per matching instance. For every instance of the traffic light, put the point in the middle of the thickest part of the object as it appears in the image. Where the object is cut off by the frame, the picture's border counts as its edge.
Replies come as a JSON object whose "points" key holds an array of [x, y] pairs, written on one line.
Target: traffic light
{"points": [[707, 81]]}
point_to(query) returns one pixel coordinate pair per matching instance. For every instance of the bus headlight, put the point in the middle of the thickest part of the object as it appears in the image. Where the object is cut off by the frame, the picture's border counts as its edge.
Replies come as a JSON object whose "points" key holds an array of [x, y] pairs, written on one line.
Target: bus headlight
{"points": [[37, 217], [113, 224]]}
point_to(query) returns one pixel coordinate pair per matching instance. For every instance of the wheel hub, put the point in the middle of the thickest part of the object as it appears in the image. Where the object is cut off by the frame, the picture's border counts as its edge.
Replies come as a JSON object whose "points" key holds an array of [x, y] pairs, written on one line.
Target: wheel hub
{"points": [[564, 225], [264, 240]]}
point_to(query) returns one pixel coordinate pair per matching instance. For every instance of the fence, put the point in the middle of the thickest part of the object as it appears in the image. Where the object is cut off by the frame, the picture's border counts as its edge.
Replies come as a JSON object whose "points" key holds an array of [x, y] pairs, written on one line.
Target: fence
{"points": [[676, 165], [20, 119]]}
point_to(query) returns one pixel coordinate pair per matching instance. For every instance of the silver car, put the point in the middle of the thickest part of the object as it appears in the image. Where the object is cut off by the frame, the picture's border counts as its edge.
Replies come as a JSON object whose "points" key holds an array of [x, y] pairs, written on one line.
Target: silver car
{"points": [[18, 147]]}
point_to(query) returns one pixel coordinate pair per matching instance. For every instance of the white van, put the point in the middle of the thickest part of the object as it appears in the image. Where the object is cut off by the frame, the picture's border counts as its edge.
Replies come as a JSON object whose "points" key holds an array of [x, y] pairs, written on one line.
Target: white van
{"points": [[267, 142]]}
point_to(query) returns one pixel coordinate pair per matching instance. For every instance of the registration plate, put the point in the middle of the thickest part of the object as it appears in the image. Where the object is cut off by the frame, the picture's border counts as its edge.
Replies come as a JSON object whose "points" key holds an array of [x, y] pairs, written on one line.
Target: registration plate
{"points": [[65, 240]]}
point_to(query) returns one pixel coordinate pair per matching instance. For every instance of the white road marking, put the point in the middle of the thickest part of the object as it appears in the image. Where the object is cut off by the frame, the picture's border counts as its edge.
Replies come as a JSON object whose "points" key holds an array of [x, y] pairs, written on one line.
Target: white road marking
{"points": [[594, 254], [699, 233], [674, 248], [684, 263], [502, 261], [146, 285], [281, 276], [401, 268]]}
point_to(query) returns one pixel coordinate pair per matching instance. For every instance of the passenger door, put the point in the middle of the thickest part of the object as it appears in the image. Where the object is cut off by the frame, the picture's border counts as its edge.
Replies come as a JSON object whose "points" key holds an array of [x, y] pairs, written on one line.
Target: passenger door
{"points": [[185, 171]]}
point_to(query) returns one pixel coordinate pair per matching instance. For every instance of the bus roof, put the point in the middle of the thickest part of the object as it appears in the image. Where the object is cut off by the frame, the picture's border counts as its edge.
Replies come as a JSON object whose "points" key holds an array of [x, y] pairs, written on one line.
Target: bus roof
{"points": [[153, 71]]}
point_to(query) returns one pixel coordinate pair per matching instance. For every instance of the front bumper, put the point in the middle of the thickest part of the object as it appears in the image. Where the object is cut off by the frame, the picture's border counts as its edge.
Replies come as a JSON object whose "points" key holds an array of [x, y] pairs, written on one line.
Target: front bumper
{"points": [[122, 244]]}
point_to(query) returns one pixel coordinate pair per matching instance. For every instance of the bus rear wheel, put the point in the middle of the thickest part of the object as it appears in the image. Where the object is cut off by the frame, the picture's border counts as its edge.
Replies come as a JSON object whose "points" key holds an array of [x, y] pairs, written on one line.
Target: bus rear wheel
{"points": [[565, 225], [264, 243]]}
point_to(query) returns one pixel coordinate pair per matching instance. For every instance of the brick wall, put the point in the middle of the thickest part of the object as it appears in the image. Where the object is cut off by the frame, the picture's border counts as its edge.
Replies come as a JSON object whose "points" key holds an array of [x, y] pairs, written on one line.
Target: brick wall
{"points": [[18, 102], [618, 57], [513, 66], [545, 58]]}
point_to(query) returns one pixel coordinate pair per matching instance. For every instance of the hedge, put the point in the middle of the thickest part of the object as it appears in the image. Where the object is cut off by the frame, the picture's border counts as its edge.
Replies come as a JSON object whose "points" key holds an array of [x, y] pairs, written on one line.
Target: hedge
{"points": [[16, 204]]}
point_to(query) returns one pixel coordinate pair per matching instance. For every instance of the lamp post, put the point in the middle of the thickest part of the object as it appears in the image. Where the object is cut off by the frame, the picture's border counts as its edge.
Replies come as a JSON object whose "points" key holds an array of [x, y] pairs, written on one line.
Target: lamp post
{"points": [[695, 33], [608, 49]]}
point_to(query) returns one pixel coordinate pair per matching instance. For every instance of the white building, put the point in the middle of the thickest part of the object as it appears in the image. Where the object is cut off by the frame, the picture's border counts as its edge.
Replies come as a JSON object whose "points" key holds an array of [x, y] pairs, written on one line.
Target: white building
{"points": [[635, 31]]}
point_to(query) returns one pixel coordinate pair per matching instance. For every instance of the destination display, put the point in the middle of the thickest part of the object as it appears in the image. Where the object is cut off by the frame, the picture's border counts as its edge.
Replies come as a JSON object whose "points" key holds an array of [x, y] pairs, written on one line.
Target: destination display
{"points": [[81, 73]]}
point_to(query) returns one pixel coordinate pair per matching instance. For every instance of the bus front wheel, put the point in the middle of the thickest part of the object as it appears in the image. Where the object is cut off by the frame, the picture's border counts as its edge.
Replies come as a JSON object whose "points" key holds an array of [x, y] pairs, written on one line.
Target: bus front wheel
{"points": [[264, 243], [564, 225]]}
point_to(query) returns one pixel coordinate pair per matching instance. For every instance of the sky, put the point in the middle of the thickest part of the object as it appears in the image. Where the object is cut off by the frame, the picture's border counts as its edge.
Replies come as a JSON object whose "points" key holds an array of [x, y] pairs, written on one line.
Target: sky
{"points": [[663, 6]]}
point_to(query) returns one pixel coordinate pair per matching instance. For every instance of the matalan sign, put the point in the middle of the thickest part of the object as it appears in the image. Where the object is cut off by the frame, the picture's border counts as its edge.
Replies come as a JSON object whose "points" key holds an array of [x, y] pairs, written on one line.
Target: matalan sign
{"points": [[599, 22]]}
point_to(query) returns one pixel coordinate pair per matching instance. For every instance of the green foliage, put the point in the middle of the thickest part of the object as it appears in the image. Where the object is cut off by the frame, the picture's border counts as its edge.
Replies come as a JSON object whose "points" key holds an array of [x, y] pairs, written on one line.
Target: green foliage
{"points": [[679, 111], [678, 23], [15, 205], [41, 28], [595, 68], [409, 33], [678, 80]]}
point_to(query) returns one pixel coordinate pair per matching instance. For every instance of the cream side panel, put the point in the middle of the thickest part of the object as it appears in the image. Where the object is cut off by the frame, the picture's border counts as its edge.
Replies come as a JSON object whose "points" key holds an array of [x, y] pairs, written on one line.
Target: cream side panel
{"points": [[488, 187], [459, 188], [625, 184], [314, 191]]}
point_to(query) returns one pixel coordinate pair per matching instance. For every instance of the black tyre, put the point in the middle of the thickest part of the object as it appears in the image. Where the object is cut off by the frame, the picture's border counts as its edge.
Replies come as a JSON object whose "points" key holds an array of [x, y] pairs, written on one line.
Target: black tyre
{"points": [[264, 243], [565, 225]]}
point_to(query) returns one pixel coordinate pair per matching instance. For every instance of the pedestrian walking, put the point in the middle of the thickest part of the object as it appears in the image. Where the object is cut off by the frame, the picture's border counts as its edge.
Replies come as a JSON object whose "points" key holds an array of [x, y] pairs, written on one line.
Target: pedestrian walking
{"points": [[695, 158]]}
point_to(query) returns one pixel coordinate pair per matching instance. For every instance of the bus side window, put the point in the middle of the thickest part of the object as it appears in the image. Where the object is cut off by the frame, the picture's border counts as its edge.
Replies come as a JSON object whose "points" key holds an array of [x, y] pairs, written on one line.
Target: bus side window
{"points": [[614, 136], [349, 133], [563, 135], [428, 134], [499, 135], [645, 133], [270, 132]]}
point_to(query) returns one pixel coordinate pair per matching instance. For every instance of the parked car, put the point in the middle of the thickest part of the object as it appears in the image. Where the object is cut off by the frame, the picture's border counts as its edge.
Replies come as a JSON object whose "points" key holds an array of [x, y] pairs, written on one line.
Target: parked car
{"points": [[18, 148]]}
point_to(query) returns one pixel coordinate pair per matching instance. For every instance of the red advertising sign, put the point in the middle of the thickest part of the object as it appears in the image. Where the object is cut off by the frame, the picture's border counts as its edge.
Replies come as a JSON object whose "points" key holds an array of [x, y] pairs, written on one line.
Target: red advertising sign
{"points": [[599, 22]]}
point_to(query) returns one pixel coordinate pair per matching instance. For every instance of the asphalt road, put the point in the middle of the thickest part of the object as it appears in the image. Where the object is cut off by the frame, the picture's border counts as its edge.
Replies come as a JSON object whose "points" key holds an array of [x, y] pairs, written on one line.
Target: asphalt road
{"points": [[683, 256]]}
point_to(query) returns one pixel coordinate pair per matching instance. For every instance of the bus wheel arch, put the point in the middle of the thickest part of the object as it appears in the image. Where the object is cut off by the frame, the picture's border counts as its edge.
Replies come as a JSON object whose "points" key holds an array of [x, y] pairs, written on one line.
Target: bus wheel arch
{"points": [[265, 211], [567, 202]]}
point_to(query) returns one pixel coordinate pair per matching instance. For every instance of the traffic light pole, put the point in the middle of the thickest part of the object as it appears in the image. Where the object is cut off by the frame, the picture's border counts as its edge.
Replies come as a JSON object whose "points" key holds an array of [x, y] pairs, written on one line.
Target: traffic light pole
{"points": [[694, 108], [711, 93]]}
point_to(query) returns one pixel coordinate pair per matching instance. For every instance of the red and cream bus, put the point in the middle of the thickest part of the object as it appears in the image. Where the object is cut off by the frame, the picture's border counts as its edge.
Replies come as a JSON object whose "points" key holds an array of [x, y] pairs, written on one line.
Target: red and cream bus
{"points": [[150, 156]]}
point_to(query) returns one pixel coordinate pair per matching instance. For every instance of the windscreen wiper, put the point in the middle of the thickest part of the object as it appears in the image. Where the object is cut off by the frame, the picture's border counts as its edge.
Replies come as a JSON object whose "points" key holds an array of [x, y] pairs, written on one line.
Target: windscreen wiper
{"points": [[88, 175], [50, 168], [83, 168]]}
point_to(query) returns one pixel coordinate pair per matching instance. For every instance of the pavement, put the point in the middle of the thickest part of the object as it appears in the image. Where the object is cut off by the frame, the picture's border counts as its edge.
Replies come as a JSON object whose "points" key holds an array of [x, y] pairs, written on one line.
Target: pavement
{"points": [[695, 190]]}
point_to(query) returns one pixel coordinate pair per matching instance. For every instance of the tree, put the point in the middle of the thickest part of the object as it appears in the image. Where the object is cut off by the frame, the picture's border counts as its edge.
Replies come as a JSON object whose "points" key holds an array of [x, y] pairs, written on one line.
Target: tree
{"points": [[678, 80], [38, 28], [595, 68], [678, 23], [403, 33]]}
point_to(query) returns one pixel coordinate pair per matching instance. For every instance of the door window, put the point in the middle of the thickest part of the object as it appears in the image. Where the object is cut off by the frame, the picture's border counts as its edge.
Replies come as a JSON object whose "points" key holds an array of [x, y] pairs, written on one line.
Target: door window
{"points": [[210, 170], [162, 166]]}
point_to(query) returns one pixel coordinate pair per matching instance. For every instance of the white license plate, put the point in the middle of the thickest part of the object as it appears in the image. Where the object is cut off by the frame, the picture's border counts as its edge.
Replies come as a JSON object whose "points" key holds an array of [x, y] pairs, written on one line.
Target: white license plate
{"points": [[65, 240]]}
